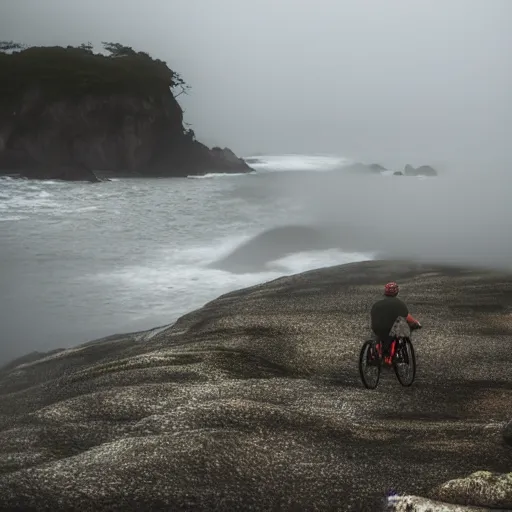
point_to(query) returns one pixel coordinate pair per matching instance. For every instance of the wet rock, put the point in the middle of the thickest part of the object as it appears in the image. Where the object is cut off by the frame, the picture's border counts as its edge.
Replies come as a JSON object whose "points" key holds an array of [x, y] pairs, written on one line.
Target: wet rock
{"points": [[481, 489], [418, 504], [239, 403]]}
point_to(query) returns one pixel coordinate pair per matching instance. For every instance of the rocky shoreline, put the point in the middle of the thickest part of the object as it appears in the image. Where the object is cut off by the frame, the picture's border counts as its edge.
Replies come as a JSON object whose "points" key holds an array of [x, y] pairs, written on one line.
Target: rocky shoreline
{"points": [[253, 402]]}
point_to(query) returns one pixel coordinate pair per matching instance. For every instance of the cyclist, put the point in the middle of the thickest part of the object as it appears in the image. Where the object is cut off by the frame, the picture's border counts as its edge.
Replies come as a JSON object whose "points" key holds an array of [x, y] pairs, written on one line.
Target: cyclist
{"points": [[390, 319]]}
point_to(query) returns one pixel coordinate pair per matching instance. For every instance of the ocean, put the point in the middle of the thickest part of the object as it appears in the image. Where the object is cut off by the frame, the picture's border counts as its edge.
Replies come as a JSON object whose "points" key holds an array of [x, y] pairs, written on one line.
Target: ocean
{"points": [[81, 261]]}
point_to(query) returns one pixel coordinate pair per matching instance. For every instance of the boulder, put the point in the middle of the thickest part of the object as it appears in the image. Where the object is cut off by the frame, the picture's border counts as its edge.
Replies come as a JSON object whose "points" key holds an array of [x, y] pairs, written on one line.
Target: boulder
{"points": [[419, 504], [480, 489], [398, 173]]}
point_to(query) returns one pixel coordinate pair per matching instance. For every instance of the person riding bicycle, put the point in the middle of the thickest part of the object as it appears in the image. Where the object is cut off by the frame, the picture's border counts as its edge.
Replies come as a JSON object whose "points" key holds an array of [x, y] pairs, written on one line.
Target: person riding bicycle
{"points": [[390, 319]]}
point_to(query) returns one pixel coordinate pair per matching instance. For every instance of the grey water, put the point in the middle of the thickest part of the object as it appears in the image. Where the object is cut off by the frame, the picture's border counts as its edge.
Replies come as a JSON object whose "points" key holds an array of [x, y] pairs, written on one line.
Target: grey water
{"points": [[82, 261]]}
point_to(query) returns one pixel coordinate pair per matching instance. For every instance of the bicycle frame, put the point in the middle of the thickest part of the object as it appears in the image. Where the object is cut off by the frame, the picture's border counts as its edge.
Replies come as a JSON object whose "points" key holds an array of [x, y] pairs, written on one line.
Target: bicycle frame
{"points": [[392, 349]]}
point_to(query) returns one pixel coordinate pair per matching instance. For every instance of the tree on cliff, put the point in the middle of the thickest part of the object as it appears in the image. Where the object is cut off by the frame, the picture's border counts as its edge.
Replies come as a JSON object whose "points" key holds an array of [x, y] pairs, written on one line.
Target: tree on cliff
{"points": [[77, 70], [87, 47], [6, 46], [118, 50]]}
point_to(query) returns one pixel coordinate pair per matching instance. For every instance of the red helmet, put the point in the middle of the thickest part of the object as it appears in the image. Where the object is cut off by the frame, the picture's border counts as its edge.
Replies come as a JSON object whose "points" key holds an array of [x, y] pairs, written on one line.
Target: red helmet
{"points": [[391, 290]]}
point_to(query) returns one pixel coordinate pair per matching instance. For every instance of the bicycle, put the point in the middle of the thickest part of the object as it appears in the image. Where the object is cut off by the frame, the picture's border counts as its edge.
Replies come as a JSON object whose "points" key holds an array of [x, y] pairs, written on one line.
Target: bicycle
{"points": [[401, 357]]}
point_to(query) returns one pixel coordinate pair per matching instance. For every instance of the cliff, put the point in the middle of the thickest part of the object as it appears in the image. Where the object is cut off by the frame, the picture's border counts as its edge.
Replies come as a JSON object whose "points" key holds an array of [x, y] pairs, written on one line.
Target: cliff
{"points": [[69, 110], [254, 402]]}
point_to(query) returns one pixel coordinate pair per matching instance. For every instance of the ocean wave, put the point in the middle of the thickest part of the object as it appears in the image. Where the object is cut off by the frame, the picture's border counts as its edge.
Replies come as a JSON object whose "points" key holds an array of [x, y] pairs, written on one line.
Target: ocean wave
{"points": [[218, 175], [184, 278], [12, 218], [29, 203], [24, 182], [309, 260], [297, 162], [82, 209]]}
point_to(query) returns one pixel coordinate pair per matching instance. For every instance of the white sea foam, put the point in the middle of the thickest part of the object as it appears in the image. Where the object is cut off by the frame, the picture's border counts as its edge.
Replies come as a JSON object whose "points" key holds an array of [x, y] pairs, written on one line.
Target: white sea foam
{"points": [[297, 162], [308, 260], [11, 218], [211, 175], [179, 280]]}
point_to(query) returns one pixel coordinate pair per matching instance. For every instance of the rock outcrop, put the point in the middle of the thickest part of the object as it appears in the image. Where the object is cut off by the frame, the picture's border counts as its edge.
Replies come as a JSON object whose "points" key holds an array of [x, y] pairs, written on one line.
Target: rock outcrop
{"points": [[254, 402], [419, 504], [482, 488], [424, 170], [362, 168], [69, 108], [377, 167]]}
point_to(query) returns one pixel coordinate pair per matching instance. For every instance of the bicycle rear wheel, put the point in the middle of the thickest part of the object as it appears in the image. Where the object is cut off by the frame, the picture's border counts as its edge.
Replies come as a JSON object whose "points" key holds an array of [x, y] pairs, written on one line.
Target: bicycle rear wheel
{"points": [[404, 362], [369, 364]]}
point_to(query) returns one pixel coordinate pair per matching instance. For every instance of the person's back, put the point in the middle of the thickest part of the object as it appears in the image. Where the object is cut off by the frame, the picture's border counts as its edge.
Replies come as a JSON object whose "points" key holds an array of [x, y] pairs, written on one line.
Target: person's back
{"points": [[385, 312]]}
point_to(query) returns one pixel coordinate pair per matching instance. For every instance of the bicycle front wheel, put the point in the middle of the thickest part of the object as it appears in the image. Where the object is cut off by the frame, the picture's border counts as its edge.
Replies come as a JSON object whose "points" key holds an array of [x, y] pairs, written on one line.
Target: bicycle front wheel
{"points": [[404, 363], [369, 365]]}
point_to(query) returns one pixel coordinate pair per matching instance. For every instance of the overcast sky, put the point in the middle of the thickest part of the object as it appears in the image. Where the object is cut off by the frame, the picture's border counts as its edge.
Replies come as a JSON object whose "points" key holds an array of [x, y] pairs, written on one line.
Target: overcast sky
{"points": [[397, 81]]}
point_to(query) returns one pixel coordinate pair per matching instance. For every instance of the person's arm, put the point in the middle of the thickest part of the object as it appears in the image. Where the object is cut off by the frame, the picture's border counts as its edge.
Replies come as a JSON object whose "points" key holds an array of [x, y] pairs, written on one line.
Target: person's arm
{"points": [[412, 321], [408, 317]]}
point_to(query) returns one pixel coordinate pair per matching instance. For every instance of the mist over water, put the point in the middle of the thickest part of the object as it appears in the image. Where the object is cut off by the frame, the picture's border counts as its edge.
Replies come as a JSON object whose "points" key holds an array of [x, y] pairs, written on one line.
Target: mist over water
{"points": [[460, 219], [80, 261], [304, 89]]}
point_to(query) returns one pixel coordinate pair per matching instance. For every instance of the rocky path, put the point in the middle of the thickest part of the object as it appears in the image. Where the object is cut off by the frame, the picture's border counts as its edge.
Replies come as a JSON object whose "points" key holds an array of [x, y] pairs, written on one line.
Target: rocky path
{"points": [[254, 403]]}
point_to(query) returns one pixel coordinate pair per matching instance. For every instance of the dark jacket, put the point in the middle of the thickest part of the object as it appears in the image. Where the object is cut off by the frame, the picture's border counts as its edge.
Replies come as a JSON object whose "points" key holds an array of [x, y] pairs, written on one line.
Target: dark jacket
{"points": [[384, 314]]}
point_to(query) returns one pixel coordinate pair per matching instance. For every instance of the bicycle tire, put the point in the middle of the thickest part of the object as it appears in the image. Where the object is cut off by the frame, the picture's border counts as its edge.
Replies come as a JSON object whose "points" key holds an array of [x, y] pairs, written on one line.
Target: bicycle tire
{"points": [[363, 361], [406, 345]]}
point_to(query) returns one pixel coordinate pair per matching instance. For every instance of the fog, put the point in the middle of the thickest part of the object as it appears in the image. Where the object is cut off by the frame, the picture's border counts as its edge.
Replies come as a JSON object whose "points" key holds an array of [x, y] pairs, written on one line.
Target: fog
{"points": [[394, 82], [446, 220]]}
